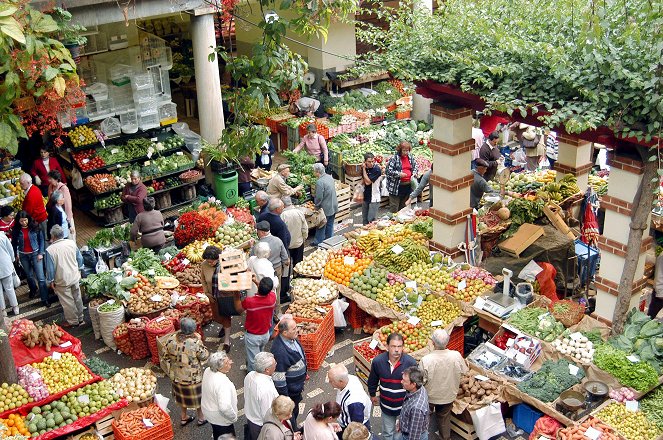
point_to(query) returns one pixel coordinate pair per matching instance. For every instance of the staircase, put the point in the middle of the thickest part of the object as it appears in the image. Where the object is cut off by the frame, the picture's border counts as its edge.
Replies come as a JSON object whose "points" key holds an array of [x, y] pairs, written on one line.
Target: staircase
{"points": [[32, 309]]}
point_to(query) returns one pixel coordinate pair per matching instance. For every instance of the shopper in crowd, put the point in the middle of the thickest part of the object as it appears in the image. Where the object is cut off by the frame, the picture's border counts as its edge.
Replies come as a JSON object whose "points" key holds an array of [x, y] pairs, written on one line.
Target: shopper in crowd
{"points": [[490, 153], [350, 395], [532, 142], [264, 158], [259, 392], [304, 106], [400, 171], [63, 265], [7, 276], [356, 431], [55, 183], [320, 423], [325, 199], [261, 267], [442, 370], [291, 369], [262, 199], [219, 399], [133, 194], [278, 254], [277, 188], [278, 421], [371, 174], [33, 203], [315, 145], [42, 166], [150, 225], [207, 269], [246, 165], [552, 148], [7, 220], [386, 374], [413, 422], [295, 221], [29, 245], [259, 312], [479, 186], [423, 183], [184, 352], [56, 214], [277, 226], [229, 304]]}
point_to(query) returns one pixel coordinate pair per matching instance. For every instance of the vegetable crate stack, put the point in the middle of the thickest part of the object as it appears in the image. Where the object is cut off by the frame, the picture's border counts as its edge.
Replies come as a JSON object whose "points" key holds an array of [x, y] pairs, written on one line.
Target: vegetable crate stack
{"points": [[233, 275]]}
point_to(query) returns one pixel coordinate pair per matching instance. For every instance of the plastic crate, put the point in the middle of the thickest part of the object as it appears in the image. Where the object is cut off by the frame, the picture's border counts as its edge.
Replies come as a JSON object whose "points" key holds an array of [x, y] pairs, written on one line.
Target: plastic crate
{"points": [[354, 315], [129, 121], [403, 115], [149, 120], [524, 417], [100, 109], [168, 113], [317, 345], [120, 74], [457, 340]]}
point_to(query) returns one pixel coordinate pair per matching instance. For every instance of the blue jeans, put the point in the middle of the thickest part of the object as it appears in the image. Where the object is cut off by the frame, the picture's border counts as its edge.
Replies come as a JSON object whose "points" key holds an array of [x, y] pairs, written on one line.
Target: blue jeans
{"points": [[324, 232], [388, 426], [254, 344], [34, 270], [401, 436]]}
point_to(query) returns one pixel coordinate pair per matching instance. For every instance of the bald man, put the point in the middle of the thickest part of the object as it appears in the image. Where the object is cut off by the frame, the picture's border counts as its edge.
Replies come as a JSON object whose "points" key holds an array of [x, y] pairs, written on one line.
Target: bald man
{"points": [[350, 395]]}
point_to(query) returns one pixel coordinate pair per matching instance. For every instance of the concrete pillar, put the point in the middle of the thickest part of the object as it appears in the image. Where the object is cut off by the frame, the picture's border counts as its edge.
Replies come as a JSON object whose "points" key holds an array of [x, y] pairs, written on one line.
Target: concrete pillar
{"points": [[575, 157], [208, 83], [625, 178], [451, 144]]}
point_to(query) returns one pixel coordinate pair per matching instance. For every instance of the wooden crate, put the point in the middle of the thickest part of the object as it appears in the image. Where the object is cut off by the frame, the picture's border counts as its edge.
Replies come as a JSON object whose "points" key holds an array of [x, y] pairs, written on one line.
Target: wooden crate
{"points": [[466, 431], [235, 282], [104, 427], [232, 261]]}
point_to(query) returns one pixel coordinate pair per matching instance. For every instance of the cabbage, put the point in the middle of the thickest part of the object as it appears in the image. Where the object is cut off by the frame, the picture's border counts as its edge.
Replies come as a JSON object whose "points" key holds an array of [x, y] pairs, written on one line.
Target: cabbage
{"points": [[651, 329]]}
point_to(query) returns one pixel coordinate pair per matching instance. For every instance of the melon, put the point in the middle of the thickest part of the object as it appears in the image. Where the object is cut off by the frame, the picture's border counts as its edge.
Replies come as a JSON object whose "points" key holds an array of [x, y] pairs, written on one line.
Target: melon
{"points": [[503, 213]]}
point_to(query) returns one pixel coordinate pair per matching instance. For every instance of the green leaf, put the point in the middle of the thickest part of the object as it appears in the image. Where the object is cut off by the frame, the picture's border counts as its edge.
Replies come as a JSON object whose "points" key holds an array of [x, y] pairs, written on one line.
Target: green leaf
{"points": [[59, 85], [13, 31], [7, 10], [6, 133], [50, 73]]}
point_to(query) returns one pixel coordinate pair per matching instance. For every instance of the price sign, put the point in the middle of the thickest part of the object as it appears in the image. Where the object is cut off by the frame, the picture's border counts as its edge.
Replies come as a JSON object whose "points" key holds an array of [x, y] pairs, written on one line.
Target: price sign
{"points": [[324, 292], [148, 423], [397, 249], [185, 261], [633, 358], [573, 370], [179, 153], [154, 139], [411, 284], [521, 358], [110, 301], [592, 433], [321, 310], [510, 342], [84, 399], [66, 344], [167, 256], [147, 162], [373, 344], [363, 233], [349, 261], [414, 320], [575, 336], [150, 272], [436, 323], [201, 295], [56, 355], [462, 284], [115, 151], [156, 298], [481, 377], [205, 245], [86, 160], [105, 179], [632, 405], [161, 318]]}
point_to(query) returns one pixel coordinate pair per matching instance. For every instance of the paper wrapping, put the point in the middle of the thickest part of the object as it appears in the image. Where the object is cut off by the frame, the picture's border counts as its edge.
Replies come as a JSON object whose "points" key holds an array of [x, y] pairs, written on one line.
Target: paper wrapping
{"points": [[460, 405]]}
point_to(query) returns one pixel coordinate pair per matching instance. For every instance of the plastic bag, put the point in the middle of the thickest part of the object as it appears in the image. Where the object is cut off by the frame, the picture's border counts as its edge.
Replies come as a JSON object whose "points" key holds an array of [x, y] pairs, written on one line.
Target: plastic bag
{"points": [[530, 271], [384, 192], [488, 421], [339, 306], [358, 196], [545, 426], [101, 266], [76, 179]]}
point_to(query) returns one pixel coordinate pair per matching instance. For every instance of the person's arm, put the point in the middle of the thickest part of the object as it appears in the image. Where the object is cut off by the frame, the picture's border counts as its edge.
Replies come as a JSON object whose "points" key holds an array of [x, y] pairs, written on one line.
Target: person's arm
{"points": [[141, 193], [323, 148], [304, 225], [79, 259], [58, 167], [417, 423], [135, 228], [423, 183], [41, 242], [485, 187], [392, 170], [67, 205], [284, 255], [658, 275], [279, 374], [50, 269], [300, 146], [319, 194], [372, 383], [284, 188], [356, 412], [413, 164]]}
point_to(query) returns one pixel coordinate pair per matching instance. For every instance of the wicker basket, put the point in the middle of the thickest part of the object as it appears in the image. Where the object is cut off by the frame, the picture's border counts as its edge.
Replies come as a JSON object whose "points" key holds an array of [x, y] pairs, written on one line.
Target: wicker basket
{"points": [[190, 179], [570, 315]]}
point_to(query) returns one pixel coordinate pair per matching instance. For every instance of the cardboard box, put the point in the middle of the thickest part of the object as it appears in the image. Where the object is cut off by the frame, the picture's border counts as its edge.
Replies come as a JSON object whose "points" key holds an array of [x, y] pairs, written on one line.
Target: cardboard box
{"points": [[553, 212], [523, 238]]}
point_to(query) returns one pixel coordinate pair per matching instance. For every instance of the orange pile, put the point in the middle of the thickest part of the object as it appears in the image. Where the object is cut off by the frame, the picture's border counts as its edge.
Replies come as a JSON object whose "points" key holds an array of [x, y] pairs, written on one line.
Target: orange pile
{"points": [[15, 425], [336, 270]]}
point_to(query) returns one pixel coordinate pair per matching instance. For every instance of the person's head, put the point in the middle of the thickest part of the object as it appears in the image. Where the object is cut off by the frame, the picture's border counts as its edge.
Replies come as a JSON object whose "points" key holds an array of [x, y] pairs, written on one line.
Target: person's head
{"points": [[261, 198], [338, 376], [135, 177], [282, 408], [284, 170], [25, 180], [275, 206], [413, 379], [211, 255], [45, 154], [265, 286], [288, 328], [262, 228], [356, 431], [54, 177], [219, 362], [23, 220], [404, 148], [187, 326], [227, 437], [318, 169], [369, 160], [326, 412], [440, 339], [57, 198], [57, 233], [395, 346], [493, 137], [149, 203], [287, 202], [6, 213], [482, 166], [311, 130], [262, 250], [264, 363]]}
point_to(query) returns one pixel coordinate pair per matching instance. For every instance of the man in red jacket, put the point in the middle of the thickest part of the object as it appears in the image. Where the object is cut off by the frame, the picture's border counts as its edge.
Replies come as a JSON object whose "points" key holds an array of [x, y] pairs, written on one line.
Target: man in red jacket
{"points": [[33, 203]]}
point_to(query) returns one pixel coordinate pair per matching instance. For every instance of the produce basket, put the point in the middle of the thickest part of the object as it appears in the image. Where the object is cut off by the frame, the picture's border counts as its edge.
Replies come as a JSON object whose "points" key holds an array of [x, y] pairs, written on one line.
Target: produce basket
{"points": [[352, 170], [191, 176], [150, 315], [174, 315], [162, 429], [317, 345], [154, 329], [311, 290], [122, 340], [195, 306], [354, 315], [570, 313], [138, 338]]}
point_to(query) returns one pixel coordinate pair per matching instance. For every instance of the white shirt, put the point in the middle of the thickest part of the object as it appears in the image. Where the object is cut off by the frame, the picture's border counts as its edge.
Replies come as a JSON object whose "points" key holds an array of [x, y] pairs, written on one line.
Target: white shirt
{"points": [[353, 393], [219, 400], [47, 164], [259, 393], [261, 267]]}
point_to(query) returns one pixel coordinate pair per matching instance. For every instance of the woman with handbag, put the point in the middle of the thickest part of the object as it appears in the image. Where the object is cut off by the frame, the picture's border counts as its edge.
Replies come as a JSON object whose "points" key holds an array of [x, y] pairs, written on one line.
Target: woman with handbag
{"points": [[29, 246], [8, 276]]}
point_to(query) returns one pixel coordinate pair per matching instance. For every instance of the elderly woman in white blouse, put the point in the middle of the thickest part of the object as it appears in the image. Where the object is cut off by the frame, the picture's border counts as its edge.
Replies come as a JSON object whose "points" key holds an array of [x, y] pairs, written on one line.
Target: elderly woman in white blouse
{"points": [[219, 401], [261, 267]]}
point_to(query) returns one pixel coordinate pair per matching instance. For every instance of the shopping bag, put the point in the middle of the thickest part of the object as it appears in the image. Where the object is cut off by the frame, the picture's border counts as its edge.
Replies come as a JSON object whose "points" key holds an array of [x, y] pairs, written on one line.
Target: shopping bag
{"points": [[358, 196]]}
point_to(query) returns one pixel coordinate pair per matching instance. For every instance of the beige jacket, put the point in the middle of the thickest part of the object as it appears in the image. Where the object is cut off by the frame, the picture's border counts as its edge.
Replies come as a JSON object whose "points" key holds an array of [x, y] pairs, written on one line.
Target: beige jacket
{"points": [[278, 188], [63, 263], [295, 220], [442, 372]]}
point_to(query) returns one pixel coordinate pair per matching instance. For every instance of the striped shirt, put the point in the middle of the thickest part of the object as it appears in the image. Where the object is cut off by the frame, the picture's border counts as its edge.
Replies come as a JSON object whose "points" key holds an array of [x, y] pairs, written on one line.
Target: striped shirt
{"points": [[355, 403], [388, 380]]}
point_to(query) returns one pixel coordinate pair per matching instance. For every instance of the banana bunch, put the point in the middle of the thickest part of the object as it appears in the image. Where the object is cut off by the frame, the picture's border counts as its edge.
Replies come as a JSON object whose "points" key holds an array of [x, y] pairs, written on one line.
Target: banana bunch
{"points": [[371, 242], [552, 191], [569, 185], [598, 184], [194, 251], [399, 257], [546, 176]]}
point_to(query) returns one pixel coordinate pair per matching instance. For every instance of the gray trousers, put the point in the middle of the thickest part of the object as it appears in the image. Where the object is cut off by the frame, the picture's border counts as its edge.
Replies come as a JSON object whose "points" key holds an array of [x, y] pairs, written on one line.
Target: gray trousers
{"points": [[72, 303], [369, 212], [7, 285]]}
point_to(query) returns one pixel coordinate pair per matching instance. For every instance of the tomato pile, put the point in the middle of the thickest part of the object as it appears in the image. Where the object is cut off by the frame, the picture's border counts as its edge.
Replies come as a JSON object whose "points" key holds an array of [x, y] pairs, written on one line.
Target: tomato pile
{"points": [[88, 160], [176, 264], [367, 352], [349, 251]]}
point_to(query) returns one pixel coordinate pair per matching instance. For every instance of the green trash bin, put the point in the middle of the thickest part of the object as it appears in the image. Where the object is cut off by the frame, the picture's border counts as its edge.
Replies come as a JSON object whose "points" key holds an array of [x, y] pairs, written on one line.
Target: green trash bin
{"points": [[226, 188]]}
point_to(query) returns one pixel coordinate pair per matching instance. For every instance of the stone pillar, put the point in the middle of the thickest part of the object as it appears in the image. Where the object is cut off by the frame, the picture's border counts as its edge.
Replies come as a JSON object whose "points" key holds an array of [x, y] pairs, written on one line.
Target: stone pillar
{"points": [[208, 83], [451, 144], [575, 157], [625, 178]]}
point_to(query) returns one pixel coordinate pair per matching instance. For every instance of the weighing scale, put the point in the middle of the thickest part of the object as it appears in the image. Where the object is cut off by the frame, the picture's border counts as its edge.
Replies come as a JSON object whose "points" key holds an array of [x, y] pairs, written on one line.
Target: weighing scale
{"points": [[335, 242], [501, 304]]}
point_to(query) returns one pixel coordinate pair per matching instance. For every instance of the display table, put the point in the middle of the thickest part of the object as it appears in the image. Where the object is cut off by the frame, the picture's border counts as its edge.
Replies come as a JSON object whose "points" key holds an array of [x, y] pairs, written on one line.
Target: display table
{"points": [[24, 355]]}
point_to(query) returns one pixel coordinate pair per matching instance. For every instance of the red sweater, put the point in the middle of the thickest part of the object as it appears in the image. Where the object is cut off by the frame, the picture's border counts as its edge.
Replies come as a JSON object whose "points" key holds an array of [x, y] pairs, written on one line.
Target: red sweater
{"points": [[259, 310], [38, 169], [34, 204]]}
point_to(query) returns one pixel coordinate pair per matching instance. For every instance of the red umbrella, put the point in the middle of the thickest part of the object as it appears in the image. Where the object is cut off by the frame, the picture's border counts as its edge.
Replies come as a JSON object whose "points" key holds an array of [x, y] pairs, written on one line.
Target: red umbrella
{"points": [[590, 226]]}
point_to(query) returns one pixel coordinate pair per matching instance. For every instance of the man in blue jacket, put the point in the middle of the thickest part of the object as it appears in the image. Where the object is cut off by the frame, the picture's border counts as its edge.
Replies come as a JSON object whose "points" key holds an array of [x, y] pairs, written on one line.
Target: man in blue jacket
{"points": [[290, 373], [387, 373]]}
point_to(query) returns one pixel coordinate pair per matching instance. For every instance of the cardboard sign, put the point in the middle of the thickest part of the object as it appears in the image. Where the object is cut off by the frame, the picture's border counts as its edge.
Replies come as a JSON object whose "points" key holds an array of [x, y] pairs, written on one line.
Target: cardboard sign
{"points": [[414, 320], [397, 249], [373, 344]]}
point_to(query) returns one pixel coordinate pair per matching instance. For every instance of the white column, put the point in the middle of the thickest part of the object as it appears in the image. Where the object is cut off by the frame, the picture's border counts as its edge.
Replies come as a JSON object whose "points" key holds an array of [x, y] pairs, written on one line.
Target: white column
{"points": [[208, 83]]}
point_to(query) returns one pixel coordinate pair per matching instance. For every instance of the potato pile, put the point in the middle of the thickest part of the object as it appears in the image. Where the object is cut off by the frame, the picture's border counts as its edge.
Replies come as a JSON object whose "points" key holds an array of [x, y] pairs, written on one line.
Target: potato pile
{"points": [[476, 391], [307, 328], [190, 275], [307, 289], [305, 309], [314, 264], [48, 336], [149, 300]]}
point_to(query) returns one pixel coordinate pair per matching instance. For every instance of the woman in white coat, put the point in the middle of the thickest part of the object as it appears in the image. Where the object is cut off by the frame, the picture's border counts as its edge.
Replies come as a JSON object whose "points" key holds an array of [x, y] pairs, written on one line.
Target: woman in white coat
{"points": [[6, 276], [219, 401]]}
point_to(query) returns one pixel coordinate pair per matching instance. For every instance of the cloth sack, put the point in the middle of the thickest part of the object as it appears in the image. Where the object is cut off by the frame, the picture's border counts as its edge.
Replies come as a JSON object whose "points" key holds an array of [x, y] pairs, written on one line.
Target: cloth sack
{"points": [[339, 306], [107, 323]]}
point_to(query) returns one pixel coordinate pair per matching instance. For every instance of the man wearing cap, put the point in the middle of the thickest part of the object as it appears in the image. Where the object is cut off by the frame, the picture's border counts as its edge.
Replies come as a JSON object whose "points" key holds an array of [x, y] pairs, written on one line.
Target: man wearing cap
{"points": [[278, 255], [277, 186], [479, 186]]}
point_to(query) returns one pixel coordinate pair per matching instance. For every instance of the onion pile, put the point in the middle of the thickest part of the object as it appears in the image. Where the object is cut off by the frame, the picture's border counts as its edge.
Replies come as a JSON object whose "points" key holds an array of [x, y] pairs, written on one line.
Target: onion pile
{"points": [[135, 384], [314, 264], [315, 291]]}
